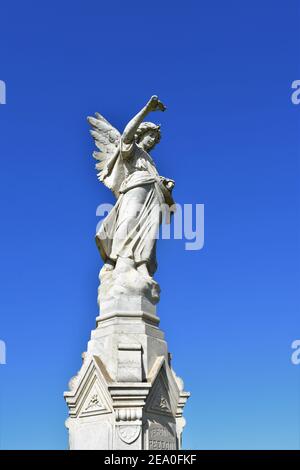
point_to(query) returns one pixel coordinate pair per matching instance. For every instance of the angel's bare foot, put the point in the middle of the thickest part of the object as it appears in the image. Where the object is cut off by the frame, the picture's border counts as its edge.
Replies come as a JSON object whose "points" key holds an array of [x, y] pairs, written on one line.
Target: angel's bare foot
{"points": [[142, 268], [108, 266]]}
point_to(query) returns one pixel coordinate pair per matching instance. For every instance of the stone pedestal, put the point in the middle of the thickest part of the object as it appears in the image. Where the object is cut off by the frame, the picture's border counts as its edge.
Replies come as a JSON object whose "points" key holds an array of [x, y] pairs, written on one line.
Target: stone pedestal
{"points": [[126, 395]]}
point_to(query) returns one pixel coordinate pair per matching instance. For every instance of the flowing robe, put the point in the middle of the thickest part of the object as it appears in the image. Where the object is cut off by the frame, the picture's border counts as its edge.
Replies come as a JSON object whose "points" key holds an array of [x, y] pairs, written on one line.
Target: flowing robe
{"points": [[130, 229]]}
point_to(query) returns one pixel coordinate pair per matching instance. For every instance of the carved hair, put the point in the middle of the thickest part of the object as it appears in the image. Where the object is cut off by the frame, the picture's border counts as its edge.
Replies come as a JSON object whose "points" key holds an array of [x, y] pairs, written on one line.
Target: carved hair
{"points": [[145, 127]]}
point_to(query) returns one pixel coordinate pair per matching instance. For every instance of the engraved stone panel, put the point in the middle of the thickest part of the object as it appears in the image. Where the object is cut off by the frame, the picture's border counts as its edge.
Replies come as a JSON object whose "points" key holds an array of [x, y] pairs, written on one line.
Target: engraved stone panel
{"points": [[161, 438], [129, 363]]}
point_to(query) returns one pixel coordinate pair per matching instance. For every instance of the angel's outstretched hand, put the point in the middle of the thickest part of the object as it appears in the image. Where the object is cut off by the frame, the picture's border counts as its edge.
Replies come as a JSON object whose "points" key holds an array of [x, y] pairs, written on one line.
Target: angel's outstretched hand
{"points": [[155, 105]]}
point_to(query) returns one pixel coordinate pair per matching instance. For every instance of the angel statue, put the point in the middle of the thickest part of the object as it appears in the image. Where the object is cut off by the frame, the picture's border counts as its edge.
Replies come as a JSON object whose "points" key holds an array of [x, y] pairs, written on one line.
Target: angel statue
{"points": [[127, 236]]}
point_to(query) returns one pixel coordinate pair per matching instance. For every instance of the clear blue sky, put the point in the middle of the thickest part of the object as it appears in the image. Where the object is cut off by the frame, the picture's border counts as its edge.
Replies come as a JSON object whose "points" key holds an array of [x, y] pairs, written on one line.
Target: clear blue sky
{"points": [[231, 142]]}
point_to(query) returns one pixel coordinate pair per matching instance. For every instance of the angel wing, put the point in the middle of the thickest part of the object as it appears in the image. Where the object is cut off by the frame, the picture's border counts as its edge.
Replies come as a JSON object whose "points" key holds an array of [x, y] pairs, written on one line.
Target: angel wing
{"points": [[107, 140]]}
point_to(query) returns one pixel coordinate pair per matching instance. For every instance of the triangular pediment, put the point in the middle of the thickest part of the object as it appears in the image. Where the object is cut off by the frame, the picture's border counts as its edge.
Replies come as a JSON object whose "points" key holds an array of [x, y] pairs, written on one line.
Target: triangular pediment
{"points": [[164, 395], [90, 396], [94, 401]]}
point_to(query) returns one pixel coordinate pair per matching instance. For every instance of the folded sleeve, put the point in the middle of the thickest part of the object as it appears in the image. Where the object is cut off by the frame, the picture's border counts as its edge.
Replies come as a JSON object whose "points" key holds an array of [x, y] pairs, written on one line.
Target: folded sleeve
{"points": [[127, 150]]}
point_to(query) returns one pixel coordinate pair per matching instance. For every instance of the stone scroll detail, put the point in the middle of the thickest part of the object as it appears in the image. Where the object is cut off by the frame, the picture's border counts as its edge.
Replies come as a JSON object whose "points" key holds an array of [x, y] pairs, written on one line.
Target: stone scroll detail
{"points": [[128, 414]]}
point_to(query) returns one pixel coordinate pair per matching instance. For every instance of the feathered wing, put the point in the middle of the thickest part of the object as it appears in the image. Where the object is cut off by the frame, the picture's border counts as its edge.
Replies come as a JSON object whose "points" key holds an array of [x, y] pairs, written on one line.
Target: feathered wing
{"points": [[107, 140]]}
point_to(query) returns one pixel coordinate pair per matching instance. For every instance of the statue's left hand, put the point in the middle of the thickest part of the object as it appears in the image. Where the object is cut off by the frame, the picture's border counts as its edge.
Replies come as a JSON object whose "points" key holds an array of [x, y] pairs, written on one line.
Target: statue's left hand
{"points": [[168, 183]]}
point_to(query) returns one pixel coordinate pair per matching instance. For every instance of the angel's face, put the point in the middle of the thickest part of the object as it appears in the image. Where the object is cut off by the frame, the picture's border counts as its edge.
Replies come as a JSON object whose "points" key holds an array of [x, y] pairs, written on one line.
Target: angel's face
{"points": [[148, 140]]}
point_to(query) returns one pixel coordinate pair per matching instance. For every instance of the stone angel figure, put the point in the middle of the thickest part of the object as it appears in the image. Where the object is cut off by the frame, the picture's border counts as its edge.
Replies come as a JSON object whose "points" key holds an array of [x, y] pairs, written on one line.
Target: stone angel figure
{"points": [[127, 237]]}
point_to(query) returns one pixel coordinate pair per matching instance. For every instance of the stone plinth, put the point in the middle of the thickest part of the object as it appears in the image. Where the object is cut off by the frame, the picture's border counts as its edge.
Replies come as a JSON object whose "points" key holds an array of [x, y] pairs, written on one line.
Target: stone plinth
{"points": [[126, 395]]}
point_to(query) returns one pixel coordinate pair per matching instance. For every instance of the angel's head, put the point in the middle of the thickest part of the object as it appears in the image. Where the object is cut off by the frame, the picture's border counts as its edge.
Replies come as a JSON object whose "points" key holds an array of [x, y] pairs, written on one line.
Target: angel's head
{"points": [[148, 135]]}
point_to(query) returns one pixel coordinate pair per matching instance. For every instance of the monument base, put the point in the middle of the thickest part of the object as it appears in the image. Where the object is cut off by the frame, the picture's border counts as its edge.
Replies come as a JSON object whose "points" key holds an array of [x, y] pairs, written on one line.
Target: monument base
{"points": [[126, 395]]}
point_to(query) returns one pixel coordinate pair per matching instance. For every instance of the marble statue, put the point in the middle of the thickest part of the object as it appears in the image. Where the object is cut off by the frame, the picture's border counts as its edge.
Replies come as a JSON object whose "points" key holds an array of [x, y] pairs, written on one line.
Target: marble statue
{"points": [[126, 395], [127, 237]]}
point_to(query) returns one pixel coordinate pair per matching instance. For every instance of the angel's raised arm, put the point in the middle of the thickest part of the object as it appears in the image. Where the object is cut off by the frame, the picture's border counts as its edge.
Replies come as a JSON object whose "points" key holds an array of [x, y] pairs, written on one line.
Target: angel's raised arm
{"points": [[153, 105]]}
